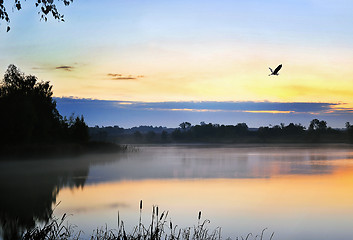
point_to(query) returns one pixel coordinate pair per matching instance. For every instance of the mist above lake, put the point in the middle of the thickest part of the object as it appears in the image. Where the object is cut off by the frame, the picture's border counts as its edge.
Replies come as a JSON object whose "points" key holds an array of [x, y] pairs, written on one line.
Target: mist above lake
{"points": [[294, 190]]}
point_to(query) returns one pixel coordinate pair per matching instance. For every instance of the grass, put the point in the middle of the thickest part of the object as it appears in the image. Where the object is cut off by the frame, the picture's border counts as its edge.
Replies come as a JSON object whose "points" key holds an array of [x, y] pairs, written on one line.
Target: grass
{"points": [[159, 229], [54, 229]]}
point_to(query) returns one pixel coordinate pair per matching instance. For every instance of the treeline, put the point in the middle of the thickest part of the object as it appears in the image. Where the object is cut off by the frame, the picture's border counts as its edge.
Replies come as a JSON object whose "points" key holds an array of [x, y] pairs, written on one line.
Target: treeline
{"points": [[317, 132], [141, 134], [29, 114]]}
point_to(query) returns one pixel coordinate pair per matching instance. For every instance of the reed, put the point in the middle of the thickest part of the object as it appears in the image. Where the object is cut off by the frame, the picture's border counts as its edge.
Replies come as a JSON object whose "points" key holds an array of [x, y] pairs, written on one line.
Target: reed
{"points": [[159, 229], [54, 229]]}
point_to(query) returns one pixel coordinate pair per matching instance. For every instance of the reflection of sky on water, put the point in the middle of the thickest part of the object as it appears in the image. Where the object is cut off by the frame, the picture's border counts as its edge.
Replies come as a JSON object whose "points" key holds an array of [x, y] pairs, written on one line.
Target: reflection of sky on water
{"points": [[294, 190], [156, 162], [297, 191]]}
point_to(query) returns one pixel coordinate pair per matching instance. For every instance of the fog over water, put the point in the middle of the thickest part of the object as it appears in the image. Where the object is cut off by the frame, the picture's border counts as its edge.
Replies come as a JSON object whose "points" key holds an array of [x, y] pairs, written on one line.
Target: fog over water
{"points": [[299, 192]]}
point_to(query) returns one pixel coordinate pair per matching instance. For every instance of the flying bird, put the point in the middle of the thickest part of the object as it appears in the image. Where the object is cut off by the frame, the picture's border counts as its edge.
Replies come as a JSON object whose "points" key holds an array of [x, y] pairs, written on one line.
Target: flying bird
{"points": [[275, 72]]}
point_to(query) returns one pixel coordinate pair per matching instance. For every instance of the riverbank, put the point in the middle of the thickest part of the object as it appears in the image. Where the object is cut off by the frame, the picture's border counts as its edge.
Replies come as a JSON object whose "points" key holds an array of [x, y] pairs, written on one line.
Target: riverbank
{"points": [[51, 150]]}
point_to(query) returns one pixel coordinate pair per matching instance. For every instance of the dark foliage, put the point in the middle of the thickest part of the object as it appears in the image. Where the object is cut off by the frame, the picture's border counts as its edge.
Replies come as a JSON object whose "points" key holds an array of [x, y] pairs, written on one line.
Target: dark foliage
{"points": [[46, 7], [29, 114], [77, 129], [164, 136], [141, 134], [317, 132], [240, 133], [210, 132], [349, 130]]}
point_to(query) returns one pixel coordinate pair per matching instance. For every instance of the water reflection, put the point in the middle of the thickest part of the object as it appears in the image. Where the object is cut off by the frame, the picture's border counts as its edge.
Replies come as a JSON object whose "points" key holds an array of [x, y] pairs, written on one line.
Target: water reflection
{"points": [[30, 189], [184, 162]]}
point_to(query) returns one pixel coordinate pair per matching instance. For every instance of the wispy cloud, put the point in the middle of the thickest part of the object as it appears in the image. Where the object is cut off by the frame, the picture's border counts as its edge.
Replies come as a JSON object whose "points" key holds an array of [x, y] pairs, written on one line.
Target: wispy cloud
{"points": [[249, 107], [118, 76], [65, 68]]}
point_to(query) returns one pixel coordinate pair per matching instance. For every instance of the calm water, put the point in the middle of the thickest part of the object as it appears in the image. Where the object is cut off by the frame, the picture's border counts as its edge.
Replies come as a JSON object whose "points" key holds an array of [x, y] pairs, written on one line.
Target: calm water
{"points": [[298, 192]]}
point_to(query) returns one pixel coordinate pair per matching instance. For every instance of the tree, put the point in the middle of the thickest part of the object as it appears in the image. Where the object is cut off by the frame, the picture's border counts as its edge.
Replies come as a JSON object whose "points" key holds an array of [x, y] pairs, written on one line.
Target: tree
{"points": [[241, 129], [29, 113], [293, 129], [177, 134], [349, 130], [185, 125], [45, 7], [316, 124], [138, 136], [78, 129], [316, 128], [164, 136], [150, 136]]}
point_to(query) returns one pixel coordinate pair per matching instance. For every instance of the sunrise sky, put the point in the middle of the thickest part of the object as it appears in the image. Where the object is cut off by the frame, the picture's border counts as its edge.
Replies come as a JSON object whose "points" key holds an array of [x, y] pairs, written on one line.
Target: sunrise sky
{"points": [[117, 62]]}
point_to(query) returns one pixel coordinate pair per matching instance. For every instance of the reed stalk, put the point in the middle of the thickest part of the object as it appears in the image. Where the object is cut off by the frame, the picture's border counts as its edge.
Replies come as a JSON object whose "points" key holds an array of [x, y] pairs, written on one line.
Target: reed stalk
{"points": [[60, 229]]}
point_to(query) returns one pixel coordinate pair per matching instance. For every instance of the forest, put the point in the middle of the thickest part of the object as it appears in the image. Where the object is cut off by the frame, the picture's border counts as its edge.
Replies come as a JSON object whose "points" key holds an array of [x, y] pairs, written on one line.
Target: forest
{"points": [[317, 132]]}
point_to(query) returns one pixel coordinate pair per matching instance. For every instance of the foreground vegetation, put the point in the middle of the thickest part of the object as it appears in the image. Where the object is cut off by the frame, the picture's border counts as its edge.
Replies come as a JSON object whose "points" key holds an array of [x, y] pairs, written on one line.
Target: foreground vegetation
{"points": [[158, 229]]}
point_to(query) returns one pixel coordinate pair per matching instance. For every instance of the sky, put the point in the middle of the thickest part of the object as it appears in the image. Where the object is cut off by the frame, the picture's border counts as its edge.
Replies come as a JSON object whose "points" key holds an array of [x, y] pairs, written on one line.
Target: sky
{"points": [[187, 55]]}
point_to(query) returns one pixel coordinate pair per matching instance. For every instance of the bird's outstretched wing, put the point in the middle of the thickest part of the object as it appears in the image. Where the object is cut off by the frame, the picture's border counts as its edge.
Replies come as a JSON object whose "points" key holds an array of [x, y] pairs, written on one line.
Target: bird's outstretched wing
{"points": [[271, 70], [277, 69]]}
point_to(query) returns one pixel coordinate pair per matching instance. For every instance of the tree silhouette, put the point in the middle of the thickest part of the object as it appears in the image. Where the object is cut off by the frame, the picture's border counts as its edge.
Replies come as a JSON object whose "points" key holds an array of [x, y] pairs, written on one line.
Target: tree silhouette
{"points": [[164, 136], [45, 7], [138, 136], [29, 113], [185, 125], [317, 125], [78, 129], [349, 130]]}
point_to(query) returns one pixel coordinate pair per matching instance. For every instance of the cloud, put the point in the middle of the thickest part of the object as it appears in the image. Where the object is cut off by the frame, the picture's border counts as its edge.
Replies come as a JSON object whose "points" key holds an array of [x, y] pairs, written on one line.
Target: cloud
{"points": [[61, 67], [256, 107], [171, 114], [114, 74], [65, 68], [211, 106], [118, 76]]}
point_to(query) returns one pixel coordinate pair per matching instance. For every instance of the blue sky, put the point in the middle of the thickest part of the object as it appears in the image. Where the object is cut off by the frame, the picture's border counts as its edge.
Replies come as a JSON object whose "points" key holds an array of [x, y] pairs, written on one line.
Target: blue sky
{"points": [[191, 51], [128, 114]]}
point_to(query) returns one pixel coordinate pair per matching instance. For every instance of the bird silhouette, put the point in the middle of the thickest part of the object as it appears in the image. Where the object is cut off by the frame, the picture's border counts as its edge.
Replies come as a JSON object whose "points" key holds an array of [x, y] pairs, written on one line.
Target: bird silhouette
{"points": [[275, 72]]}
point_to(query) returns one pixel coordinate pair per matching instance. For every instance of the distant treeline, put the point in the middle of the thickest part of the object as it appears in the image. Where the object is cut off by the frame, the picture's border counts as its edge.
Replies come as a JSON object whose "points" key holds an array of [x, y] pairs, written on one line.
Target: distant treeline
{"points": [[317, 132]]}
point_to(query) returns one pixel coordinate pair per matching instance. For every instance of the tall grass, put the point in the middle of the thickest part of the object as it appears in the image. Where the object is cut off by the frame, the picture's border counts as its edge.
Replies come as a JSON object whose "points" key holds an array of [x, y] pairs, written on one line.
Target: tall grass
{"points": [[55, 228], [159, 229]]}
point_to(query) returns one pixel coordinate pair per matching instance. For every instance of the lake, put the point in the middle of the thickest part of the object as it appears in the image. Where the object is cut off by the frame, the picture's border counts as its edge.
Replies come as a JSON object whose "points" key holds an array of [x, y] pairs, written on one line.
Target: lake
{"points": [[297, 191]]}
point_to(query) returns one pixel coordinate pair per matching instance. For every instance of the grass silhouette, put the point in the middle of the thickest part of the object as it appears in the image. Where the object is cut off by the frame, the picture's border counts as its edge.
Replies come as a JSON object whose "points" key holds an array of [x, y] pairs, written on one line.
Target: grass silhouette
{"points": [[159, 228]]}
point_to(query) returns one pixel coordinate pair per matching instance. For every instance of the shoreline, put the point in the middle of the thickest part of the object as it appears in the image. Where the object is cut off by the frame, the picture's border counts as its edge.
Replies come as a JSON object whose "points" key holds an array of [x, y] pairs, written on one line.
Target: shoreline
{"points": [[57, 150]]}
